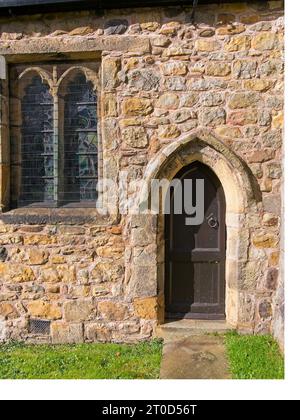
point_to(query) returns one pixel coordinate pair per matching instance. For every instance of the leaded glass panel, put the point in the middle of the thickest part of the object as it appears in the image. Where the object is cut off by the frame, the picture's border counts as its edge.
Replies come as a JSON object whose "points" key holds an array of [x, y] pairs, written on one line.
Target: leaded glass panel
{"points": [[80, 141], [37, 180]]}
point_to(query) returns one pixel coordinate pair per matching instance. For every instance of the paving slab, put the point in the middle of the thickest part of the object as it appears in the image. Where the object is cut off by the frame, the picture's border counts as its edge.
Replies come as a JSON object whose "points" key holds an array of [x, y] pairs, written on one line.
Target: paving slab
{"points": [[188, 356], [173, 330]]}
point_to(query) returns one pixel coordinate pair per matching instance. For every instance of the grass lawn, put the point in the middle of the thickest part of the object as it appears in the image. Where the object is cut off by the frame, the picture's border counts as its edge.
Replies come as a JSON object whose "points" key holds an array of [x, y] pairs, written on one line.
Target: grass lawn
{"points": [[81, 361], [254, 357]]}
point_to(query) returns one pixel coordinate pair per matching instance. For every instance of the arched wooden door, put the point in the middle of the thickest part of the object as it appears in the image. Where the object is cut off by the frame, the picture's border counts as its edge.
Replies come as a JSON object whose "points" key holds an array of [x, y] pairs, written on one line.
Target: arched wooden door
{"points": [[195, 255]]}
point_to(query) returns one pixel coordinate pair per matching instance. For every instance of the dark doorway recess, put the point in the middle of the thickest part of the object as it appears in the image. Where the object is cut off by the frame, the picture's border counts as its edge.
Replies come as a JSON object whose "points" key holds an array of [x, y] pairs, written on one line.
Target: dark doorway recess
{"points": [[196, 255]]}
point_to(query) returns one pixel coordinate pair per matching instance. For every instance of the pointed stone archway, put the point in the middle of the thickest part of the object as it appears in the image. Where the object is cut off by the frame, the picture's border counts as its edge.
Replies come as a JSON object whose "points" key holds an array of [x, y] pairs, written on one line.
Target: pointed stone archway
{"points": [[242, 203]]}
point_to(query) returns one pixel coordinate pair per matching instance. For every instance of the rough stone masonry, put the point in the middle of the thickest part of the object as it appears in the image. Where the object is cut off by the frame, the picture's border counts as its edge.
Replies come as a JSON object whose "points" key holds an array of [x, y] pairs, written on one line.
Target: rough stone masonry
{"points": [[170, 91]]}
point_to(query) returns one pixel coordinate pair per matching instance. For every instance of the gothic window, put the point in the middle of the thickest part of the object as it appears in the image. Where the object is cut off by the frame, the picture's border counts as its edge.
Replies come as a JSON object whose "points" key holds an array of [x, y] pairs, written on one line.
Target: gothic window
{"points": [[37, 174], [54, 136]]}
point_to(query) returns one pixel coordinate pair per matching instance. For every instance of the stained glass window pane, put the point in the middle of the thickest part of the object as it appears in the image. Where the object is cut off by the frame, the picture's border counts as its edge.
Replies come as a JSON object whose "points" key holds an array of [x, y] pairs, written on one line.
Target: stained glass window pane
{"points": [[37, 181], [80, 141]]}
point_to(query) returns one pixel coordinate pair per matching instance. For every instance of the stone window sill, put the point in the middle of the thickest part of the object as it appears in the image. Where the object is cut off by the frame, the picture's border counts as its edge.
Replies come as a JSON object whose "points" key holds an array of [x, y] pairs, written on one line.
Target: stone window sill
{"points": [[52, 216]]}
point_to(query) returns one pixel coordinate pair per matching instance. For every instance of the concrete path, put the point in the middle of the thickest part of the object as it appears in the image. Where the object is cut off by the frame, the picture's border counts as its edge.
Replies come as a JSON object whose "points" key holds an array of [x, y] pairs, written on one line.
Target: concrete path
{"points": [[191, 353]]}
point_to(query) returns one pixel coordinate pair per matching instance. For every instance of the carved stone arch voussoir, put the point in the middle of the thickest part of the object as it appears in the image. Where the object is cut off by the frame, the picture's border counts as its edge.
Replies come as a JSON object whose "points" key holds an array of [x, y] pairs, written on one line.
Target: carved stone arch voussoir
{"points": [[44, 75], [204, 146]]}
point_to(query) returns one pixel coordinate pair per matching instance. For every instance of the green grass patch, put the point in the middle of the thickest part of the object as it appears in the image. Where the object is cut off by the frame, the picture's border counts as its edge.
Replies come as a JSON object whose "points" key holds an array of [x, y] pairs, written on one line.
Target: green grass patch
{"points": [[254, 357], [81, 361]]}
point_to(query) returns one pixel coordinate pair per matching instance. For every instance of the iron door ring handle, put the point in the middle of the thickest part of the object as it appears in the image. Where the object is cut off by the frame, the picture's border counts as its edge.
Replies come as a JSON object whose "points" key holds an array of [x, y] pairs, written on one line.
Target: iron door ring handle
{"points": [[213, 223]]}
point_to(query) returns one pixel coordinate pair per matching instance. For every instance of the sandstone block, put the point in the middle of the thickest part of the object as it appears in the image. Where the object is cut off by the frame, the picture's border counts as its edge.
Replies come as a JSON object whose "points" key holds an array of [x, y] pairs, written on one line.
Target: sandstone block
{"points": [[271, 68], [174, 69], [62, 333], [110, 70], [274, 259], [144, 79], [79, 310], [16, 273], [206, 84], [272, 203], [133, 107], [272, 279], [111, 134], [168, 101], [112, 311], [197, 67], [261, 156], [213, 117], [278, 121], [206, 45], [8, 311], [177, 52], [106, 272], [146, 308], [230, 132], [135, 137], [41, 309], [264, 41], [143, 282], [84, 30], [110, 105], [59, 273], [257, 170], [212, 99], [101, 290], [238, 43], [5, 296], [243, 100], [79, 291], [183, 116], [189, 100], [259, 85], [270, 219], [272, 139], [40, 240], [38, 257], [150, 26], [246, 308], [218, 69], [274, 170], [170, 28], [244, 69], [97, 333], [176, 83], [265, 309], [265, 240], [232, 29], [160, 41], [243, 117], [169, 132]]}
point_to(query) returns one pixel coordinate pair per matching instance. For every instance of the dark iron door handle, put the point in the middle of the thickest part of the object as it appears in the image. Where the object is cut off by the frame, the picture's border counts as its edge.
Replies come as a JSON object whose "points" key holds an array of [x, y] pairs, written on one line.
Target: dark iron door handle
{"points": [[213, 222]]}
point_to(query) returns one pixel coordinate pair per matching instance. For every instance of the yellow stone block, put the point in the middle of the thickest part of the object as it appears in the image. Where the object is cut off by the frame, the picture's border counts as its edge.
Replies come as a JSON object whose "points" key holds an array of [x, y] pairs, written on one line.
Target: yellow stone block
{"points": [[206, 45], [238, 43], [146, 308]]}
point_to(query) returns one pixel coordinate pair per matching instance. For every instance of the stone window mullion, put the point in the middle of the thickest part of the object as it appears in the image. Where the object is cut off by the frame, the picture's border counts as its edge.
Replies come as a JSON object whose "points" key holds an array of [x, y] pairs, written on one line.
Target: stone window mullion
{"points": [[4, 143], [56, 155]]}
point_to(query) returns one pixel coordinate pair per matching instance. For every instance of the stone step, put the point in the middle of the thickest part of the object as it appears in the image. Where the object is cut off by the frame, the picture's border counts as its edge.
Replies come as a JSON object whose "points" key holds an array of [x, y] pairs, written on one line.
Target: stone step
{"points": [[173, 330]]}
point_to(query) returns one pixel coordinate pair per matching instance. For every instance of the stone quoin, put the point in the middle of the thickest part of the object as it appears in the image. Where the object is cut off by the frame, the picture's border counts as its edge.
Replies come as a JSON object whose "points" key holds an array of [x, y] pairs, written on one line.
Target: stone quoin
{"points": [[161, 88]]}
